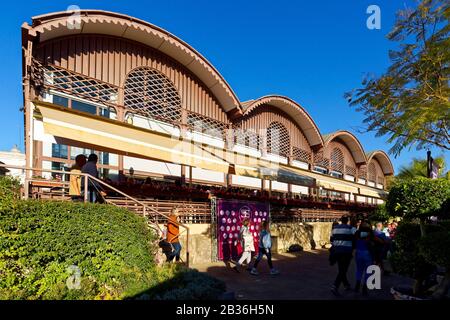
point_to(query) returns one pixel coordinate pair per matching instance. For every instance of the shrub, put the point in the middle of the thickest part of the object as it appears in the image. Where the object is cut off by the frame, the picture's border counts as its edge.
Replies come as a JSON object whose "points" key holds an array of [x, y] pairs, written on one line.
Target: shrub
{"points": [[406, 259], [40, 240], [418, 197], [42, 243], [9, 188]]}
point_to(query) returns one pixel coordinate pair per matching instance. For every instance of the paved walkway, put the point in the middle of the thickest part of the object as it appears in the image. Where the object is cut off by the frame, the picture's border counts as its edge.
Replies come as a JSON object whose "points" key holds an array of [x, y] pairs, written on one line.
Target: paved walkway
{"points": [[305, 275]]}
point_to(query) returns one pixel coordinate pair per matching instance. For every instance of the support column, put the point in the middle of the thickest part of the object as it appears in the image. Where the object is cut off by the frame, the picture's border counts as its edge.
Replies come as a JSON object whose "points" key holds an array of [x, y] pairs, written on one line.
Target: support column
{"points": [[27, 49], [183, 175]]}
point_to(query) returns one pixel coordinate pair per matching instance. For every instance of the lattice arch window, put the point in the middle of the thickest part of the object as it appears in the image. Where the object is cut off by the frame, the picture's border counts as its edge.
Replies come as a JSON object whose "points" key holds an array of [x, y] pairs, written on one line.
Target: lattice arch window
{"points": [[278, 140], [150, 93], [337, 160], [372, 173]]}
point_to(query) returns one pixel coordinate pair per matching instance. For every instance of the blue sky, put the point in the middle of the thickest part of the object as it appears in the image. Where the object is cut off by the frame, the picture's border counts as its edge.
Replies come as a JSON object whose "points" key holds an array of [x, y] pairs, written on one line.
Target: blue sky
{"points": [[311, 51]]}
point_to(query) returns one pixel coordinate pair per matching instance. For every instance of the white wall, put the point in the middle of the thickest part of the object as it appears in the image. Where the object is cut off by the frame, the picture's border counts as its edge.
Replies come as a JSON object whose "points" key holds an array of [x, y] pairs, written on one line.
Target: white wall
{"points": [[360, 199], [246, 181], [14, 159], [246, 150], [300, 164], [299, 189], [151, 124], [279, 186], [275, 158], [152, 166], [349, 178], [206, 175]]}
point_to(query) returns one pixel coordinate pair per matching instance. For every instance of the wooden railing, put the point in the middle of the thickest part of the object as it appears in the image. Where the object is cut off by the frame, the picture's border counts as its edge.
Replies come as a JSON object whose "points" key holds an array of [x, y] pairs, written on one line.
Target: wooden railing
{"points": [[56, 190], [308, 215], [189, 212]]}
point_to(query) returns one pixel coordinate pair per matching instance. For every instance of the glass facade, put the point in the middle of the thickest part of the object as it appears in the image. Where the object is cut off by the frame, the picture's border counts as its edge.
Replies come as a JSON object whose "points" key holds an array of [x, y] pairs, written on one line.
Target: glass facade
{"points": [[59, 151], [85, 107], [61, 101]]}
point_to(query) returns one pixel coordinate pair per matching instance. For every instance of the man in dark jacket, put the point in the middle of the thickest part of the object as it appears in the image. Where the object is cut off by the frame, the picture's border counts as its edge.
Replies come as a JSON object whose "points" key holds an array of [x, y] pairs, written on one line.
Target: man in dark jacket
{"points": [[342, 240]]}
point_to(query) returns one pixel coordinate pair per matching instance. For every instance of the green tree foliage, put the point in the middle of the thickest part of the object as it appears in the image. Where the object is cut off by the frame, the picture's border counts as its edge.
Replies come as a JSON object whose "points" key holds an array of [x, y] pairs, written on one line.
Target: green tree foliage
{"points": [[410, 102], [418, 197]]}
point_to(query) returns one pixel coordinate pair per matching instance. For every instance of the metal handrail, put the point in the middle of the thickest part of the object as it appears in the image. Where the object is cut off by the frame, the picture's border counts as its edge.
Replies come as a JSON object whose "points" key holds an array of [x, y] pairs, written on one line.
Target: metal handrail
{"points": [[86, 180]]}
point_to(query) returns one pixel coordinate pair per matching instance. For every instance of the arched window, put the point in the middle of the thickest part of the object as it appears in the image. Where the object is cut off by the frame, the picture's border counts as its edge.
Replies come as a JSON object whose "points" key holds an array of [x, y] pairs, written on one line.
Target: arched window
{"points": [[278, 141], [372, 172], [151, 94], [337, 160]]}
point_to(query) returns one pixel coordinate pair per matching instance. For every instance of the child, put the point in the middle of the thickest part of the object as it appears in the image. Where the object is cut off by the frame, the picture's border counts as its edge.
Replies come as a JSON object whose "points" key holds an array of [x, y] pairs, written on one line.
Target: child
{"points": [[248, 246], [265, 244]]}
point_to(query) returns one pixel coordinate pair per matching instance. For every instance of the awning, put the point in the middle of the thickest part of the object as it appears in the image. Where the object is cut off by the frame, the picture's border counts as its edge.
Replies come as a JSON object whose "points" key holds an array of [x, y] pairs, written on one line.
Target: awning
{"points": [[373, 193], [127, 139]]}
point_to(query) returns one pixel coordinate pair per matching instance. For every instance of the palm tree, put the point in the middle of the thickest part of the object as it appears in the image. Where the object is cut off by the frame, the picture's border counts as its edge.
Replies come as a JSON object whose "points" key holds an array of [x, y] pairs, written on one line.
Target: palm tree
{"points": [[418, 168]]}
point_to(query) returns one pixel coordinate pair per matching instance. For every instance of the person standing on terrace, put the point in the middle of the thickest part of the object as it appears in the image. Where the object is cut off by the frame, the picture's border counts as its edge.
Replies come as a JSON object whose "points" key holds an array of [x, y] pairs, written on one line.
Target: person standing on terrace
{"points": [[173, 233], [75, 179]]}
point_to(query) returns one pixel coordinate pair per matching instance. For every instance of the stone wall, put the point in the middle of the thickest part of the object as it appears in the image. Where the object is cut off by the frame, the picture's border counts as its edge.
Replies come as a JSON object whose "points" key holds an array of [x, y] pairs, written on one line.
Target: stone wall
{"points": [[309, 235]]}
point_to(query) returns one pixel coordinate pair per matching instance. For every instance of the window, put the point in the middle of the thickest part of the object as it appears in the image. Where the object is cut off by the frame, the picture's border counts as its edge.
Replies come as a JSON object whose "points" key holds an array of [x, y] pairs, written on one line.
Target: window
{"points": [[103, 158], [59, 166], [152, 94], [59, 151], [61, 101], [336, 174], [105, 112], [85, 107], [74, 151], [278, 140], [320, 170], [372, 173], [206, 125], [337, 160]]}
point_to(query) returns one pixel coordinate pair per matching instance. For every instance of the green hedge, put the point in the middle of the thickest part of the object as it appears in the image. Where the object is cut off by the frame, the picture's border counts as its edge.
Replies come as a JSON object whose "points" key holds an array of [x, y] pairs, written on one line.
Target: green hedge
{"points": [[40, 241], [9, 188]]}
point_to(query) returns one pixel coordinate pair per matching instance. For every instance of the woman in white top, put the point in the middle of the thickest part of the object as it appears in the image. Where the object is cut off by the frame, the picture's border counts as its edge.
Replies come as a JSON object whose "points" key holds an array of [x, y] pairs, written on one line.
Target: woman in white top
{"points": [[247, 244]]}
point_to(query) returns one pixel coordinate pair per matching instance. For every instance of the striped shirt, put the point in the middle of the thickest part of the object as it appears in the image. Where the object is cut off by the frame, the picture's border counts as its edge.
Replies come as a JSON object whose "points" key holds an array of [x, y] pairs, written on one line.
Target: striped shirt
{"points": [[342, 237]]}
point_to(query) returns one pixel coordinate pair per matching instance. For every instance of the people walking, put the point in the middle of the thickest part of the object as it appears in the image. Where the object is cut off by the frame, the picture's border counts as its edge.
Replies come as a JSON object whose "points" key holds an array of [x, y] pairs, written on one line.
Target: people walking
{"points": [[381, 245], [342, 237], [265, 246], [364, 241], [75, 179], [173, 233], [247, 244]]}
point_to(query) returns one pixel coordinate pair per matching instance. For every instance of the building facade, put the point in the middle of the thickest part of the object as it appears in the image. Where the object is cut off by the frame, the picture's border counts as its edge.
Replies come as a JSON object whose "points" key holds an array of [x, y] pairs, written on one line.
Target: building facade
{"points": [[14, 157], [142, 99]]}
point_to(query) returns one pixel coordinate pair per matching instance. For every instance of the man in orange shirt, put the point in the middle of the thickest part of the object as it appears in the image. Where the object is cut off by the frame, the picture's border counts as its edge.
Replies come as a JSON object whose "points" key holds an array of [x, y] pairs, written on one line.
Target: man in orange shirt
{"points": [[173, 233]]}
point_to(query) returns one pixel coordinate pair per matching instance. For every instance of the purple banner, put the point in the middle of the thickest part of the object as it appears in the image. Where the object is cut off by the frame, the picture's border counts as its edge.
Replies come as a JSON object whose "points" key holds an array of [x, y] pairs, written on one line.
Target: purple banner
{"points": [[230, 214]]}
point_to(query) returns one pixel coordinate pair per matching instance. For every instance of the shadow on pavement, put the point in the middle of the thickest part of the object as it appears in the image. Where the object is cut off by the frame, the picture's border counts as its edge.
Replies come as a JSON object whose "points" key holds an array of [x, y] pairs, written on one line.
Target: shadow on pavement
{"points": [[305, 275]]}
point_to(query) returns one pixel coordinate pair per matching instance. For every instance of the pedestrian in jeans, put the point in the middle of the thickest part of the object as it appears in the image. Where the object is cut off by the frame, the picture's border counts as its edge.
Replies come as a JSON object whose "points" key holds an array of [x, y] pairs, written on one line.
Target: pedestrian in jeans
{"points": [[342, 238], [363, 255], [265, 245], [247, 244], [173, 233]]}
